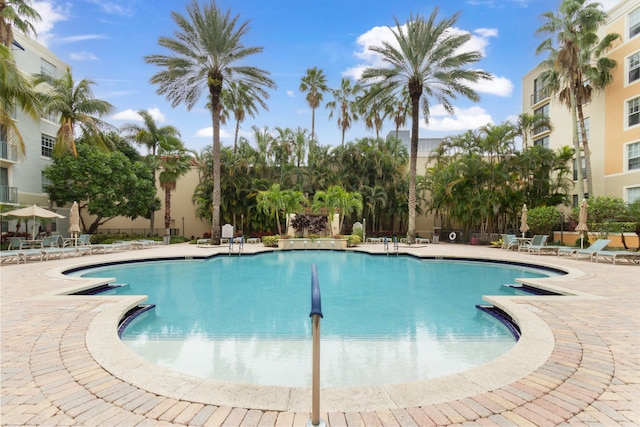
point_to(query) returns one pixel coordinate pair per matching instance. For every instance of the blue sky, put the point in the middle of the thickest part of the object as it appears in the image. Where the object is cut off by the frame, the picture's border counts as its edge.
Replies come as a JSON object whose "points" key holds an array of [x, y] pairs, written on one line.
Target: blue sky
{"points": [[106, 41]]}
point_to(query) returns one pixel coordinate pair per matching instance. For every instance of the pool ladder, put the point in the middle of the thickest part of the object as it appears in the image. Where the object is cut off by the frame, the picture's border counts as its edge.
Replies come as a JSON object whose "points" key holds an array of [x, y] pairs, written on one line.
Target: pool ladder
{"points": [[395, 245], [240, 245]]}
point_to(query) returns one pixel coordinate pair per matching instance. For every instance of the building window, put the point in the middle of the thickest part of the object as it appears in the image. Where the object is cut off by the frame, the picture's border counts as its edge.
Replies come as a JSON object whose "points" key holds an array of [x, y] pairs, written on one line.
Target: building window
{"points": [[634, 67], [633, 111], [575, 169], [540, 92], [544, 110], [45, 181], [586, 129], [634, 23], [633, 156], [543, 142], [633, 194], [47, 143], [47, 68]]}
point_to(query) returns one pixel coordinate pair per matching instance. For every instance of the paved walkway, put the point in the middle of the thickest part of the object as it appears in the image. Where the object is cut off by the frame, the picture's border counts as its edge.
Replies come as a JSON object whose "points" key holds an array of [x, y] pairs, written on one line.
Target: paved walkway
{"points": [[590, 375]]}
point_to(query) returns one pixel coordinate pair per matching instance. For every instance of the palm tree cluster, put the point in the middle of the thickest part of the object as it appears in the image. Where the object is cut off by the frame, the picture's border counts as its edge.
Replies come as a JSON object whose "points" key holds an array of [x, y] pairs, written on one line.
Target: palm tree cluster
{"points": [[374, 169], [479, 181]]}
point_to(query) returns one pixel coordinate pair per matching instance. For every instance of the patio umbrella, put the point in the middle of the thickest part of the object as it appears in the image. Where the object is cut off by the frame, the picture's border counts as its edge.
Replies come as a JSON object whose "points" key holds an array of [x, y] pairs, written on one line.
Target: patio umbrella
{"points": [[35, 212], [523, 221], [74, 221], [582, 221]]}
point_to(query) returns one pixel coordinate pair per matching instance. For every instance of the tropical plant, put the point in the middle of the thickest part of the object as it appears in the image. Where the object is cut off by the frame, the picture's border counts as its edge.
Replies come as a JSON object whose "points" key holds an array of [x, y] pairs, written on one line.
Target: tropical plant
{"points": [[345, 102], [575, 56], [174, 162], [272, 202], [15, 91], [150, 136], [76, 106], [633, 213], [336, 199], [526, 124], [207, 54], [427, 59], [314, 83], [239, 100], [19, 14]]}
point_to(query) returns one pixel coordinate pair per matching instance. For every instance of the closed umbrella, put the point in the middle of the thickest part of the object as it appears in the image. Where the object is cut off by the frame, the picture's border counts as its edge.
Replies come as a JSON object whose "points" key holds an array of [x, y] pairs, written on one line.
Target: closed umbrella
{"points": [[523, 221], [582, 221], [74, 222], [35, 212]]}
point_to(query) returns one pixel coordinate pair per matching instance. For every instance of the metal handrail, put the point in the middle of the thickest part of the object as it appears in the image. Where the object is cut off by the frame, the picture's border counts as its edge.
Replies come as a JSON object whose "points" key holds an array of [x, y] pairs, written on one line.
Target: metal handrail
{"points": [[316, 315]]}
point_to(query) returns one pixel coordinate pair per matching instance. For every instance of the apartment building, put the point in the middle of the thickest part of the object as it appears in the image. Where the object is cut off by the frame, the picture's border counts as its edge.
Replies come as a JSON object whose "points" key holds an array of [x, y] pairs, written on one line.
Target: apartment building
{"points": [[21, 178], [612, 118]]}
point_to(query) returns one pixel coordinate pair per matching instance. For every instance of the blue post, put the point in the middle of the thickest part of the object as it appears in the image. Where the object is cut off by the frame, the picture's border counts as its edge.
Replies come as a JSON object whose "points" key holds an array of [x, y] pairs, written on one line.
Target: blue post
{"points": [[316, 314]]}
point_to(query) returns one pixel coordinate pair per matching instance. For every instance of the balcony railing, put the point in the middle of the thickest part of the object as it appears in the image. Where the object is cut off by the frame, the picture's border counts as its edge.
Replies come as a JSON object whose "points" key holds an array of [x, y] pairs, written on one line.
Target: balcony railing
{"points": [[8, 152], [539, 95], [8, 194]]}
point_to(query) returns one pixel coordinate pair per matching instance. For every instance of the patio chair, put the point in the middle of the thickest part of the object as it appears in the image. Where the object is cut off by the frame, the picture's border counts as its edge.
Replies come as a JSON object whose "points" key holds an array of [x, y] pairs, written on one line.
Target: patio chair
{"points": [[538, 240], [596, 246], [8, 256], [17, 243], [632, 257], [509, 241]]}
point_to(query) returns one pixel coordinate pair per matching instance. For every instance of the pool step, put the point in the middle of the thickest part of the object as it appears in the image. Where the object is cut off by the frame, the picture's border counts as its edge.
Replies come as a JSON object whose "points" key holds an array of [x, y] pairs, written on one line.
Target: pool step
{"points": [[502, 316]]}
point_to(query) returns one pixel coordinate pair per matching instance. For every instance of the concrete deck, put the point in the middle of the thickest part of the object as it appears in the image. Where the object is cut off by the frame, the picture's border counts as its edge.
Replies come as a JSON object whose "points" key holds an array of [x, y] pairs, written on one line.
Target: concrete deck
{"points": [[578, 362]]}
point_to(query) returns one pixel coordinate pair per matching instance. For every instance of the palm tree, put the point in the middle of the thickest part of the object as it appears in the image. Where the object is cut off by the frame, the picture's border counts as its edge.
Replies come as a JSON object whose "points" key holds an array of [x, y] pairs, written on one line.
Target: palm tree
{"points": [[344, 100], [76, 105], [19, 14], [207, 53], [240, 100], [574, 47], [15, 91], [174, 162], [526, 124], [429, 62], [151, 136], [337, 199], [315, 84], [272, 202]]}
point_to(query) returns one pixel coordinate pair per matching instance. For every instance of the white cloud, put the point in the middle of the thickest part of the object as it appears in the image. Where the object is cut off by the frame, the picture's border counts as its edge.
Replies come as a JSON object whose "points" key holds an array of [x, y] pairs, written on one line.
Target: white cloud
{"points": [[461, 120], [83, 56], [208, 133], [114, 7], [291, 94], [80, 38], [50, 13], [133, 116], [499, 86]]}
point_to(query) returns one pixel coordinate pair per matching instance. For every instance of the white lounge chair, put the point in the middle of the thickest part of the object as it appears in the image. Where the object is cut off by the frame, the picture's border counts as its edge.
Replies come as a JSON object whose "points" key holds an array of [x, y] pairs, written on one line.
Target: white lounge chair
{"points": [[632, 257], [596, 246], [537, 241]]}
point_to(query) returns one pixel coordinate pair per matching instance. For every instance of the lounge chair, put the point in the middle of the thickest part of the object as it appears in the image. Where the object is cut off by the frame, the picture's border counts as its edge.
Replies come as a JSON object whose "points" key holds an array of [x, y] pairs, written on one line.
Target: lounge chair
{"points": [[8, 256], [537, 241], [509, 241], [596, 246], [17, 243], [632, 257]]}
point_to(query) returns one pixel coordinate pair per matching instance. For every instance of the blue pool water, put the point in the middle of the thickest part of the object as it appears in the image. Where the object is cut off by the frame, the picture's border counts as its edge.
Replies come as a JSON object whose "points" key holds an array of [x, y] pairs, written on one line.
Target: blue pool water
{"points": [[246, 319]]}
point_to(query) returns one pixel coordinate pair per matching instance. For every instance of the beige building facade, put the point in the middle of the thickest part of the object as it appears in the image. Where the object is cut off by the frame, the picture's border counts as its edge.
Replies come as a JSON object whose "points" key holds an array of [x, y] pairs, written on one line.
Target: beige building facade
{"points": [[612, 118]]}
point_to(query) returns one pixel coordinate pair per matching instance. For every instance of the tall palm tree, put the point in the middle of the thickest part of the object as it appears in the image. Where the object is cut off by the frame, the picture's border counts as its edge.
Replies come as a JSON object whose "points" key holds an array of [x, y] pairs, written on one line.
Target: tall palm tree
{"points": [[207, 54], [428, 60], [575, 55], [272, 201], [314, 83], [149, 135], [15, 91], [19, 14], [76, 105], [174, 161], [240, 100], [344, 100]]}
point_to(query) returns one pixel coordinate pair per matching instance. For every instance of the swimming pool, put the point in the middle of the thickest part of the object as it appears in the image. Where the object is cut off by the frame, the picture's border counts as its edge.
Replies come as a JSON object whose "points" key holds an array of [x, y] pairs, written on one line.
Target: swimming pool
{"points": [[246, 319]]}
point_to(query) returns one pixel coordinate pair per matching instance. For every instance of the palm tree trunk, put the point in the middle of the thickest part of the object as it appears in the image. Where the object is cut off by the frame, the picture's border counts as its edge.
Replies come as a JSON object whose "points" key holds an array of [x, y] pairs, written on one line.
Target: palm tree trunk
{"points": [[415, 120], [576, 144], [235, 139], [585, 148], [313, 124], [215, 218], [167, 214], [152, 214]]}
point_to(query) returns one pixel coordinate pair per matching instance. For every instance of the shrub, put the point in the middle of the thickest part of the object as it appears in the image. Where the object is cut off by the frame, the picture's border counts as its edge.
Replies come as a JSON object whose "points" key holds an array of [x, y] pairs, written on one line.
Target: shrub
{"points": [[270, 241], [541, 219], [353, 240]]}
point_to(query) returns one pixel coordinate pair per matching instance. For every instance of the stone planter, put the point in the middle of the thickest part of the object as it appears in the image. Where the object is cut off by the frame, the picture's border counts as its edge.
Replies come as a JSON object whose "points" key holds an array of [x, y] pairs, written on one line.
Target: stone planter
{"points": [[305, 243]]}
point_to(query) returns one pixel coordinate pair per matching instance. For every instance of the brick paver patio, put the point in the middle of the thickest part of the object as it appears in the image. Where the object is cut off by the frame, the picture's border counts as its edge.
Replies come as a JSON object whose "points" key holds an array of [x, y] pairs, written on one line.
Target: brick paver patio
{"points": [[591, 377]]}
